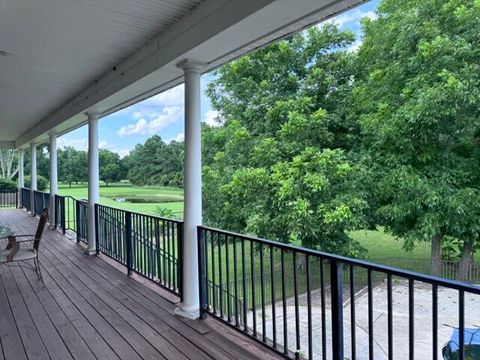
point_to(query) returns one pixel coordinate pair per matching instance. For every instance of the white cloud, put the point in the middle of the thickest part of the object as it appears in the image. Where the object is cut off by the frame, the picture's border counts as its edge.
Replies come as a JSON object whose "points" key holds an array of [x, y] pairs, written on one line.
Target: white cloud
{"points": [[82, 144], [156, 121], [355, 46], [351, 18], [107, 146], [78, 144], [172, 97], [212, 118], [180, 137]]}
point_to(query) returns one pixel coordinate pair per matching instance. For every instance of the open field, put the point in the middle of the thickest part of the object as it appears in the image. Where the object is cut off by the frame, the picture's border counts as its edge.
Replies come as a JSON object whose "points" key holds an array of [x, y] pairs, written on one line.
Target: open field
{"points": [[167, 197], [380, 246]]}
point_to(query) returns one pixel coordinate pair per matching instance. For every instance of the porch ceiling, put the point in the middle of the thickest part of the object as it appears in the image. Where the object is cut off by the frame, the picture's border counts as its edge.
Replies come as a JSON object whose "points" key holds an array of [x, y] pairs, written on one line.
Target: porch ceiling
{"points": [[59, 58]]}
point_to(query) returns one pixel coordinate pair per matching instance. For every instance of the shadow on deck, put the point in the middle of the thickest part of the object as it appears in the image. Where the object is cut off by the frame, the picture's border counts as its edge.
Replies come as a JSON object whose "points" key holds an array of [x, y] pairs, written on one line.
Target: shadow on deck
{"points": [[89, 309]]}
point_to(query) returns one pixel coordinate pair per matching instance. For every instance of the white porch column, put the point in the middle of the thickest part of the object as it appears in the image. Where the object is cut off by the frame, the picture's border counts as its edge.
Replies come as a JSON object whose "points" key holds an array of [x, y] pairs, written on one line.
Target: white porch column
{"points": [[53, 177], [33, 176], [93, 178], [190, 307], [21, 177]]}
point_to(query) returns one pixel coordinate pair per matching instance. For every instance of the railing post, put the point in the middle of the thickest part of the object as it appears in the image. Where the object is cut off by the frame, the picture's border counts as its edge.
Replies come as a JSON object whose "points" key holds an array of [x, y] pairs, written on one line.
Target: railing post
{"points": [[64, 211], [180, 260], [128, 240], [202, 273], [336, 283], [77, 220], [97, 226]]}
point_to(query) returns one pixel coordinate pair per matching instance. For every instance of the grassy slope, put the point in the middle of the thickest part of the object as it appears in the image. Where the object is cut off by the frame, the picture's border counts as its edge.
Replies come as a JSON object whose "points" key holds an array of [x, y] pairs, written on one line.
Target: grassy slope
{"points": [[107, 192], [379, 244]]}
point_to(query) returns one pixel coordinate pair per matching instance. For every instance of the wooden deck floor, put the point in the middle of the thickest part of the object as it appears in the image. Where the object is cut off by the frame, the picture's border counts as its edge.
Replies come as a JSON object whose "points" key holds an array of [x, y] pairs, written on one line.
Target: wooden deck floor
{"points": [[88, 309]]}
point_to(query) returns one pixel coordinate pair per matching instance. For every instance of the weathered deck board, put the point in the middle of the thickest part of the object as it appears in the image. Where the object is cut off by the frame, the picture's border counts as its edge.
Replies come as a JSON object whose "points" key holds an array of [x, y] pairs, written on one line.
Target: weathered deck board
{"points": [[89, 309]]}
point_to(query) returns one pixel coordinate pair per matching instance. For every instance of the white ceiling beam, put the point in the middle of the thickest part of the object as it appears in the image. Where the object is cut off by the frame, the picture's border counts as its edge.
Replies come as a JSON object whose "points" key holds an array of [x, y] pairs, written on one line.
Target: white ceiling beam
{"points": [[205, 21], [214, 25]]}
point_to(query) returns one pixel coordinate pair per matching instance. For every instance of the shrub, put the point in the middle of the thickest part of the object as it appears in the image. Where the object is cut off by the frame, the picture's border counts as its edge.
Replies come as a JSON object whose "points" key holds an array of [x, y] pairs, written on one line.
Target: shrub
{"points": [[7, 185], [42, 183], [165, 212]]}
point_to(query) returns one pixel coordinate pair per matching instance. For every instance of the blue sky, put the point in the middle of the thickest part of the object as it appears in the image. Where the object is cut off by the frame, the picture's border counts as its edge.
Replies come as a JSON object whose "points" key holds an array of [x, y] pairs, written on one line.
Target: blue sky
{"points": [[163, 114]]}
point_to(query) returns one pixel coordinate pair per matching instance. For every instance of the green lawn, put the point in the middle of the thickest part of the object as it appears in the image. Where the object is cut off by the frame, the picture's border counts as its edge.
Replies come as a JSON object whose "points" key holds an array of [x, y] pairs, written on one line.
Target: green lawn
{"points": [[171, 198], [380, 246]]}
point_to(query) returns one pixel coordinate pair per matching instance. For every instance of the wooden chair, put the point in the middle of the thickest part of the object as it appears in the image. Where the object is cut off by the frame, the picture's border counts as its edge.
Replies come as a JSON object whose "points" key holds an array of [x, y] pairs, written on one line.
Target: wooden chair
{"points": [[13, 252]]}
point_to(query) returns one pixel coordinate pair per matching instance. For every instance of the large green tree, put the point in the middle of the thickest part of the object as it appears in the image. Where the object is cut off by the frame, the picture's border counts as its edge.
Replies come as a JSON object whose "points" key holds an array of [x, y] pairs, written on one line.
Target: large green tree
{"points": [[280, 164], [156, 163], [418, 99], [72, 165], [111, 167]]}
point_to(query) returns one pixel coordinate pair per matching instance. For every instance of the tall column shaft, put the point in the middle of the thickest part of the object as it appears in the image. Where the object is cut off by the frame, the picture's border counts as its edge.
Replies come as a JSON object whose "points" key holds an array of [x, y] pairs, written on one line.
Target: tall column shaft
{"points": [[192, 189], [93, 179], [33, 176], [21, 176], [53, 177]]}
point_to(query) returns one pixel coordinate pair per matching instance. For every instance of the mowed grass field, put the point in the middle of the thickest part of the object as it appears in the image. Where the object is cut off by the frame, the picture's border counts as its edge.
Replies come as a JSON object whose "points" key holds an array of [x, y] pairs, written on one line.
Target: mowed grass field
{"points": [[379, 245], [166, 197]]}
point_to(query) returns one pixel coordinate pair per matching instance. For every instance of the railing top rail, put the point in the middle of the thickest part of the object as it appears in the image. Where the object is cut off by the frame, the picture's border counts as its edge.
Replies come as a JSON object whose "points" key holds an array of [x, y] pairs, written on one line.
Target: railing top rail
{"points": [[71, 197], [434, 280], [179, 222], [41, 192]]}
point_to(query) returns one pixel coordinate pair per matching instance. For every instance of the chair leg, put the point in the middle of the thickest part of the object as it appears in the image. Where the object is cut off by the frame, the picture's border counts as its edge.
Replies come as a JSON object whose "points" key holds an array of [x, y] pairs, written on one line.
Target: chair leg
{"points": [[38, 269]]}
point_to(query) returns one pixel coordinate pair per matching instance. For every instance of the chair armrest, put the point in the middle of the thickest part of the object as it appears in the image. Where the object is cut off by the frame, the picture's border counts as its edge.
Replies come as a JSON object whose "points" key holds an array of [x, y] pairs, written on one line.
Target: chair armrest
{"points": [[17, 236], [12, 239], [22, 241]]}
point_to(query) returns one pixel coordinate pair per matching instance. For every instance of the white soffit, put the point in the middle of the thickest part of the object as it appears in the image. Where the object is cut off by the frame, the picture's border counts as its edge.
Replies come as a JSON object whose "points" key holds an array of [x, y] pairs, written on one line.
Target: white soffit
{"points": [[214, 32]]}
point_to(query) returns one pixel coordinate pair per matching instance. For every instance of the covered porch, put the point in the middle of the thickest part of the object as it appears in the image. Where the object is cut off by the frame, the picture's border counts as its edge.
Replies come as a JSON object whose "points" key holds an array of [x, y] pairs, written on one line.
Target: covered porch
{"points": [[90, 309]]}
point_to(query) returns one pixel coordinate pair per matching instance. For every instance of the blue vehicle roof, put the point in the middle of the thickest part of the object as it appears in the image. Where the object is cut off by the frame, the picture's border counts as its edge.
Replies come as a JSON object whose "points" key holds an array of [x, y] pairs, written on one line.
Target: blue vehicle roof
{"points": [[472, 337]]}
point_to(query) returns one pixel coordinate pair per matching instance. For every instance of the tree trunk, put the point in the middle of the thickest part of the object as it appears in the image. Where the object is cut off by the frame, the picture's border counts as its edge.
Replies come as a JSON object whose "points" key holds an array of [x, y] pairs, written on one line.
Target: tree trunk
{"points": [[465, 261], [436, 255]]}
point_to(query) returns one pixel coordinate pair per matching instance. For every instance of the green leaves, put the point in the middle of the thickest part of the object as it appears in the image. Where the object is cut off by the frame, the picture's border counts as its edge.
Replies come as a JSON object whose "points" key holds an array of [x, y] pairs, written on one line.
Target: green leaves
{"points": [[280, 167], [418, 104], [156, 163]]}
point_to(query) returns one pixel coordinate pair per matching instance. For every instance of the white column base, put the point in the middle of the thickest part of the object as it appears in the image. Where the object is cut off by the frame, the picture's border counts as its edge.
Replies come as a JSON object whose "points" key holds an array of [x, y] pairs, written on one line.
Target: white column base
{"points": [[90, 252], [188, 313]]}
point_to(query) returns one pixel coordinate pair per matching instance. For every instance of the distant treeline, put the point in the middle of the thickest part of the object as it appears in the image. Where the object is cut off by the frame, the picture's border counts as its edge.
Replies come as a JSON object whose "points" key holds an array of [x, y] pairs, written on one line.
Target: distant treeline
{"points": [[152, 163]]}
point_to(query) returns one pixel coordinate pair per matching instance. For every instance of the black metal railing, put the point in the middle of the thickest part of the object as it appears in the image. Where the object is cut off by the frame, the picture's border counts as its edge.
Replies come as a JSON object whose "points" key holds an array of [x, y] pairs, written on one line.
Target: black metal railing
{"points": [[60, 213], [309, 304], [25, 197], [41, 201], [72, 214], [81, 220], [8, 198], [148, 245]]}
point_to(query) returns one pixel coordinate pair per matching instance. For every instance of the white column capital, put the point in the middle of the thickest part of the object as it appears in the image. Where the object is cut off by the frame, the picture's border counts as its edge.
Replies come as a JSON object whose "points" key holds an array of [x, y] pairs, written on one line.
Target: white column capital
{"points": [[92, 114], [192, 66]]}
